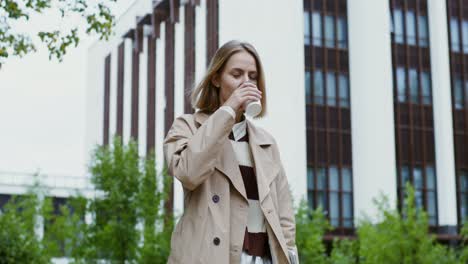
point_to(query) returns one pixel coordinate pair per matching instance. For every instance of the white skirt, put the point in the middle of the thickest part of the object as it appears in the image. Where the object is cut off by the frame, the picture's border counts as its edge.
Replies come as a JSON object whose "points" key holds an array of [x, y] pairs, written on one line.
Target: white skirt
{"points": [[247, 259]]}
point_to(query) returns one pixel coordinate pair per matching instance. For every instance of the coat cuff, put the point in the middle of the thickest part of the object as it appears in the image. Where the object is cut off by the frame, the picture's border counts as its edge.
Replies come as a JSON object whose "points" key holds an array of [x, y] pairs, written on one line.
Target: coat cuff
{"points": [[229, 110], [293, 257]]}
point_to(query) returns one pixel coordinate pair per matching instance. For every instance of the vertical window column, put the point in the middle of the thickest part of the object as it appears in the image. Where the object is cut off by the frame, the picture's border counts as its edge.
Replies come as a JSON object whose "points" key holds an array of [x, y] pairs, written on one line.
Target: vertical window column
{"points": [[329, 177], [457, 20]]}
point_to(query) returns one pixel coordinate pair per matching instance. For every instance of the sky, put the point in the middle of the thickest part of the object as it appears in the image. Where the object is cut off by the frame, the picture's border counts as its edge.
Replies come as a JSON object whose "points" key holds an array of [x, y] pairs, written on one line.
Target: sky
{"points": [[42, 107]]}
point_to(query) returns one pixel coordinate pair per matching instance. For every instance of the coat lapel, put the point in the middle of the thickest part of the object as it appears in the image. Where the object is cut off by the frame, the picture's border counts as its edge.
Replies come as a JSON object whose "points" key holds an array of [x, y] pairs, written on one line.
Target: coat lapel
{"points": [[226, 162], [265, 168]]}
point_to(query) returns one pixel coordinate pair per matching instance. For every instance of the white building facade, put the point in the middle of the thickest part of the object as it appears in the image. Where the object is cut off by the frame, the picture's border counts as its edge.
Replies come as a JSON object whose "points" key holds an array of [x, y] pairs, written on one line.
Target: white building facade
{"points": [[363, 96]]}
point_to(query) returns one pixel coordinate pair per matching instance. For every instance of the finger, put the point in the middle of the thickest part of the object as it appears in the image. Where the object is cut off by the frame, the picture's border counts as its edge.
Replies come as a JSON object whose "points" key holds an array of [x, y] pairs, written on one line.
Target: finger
{"points": [[249, 98], [245, 85], [249, 92], [256, 96], [251, 89]]}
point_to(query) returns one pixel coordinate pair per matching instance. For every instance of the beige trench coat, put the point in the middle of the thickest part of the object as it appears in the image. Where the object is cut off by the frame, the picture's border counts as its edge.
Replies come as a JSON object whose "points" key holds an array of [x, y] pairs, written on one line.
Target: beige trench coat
{"points": [[199, 154]]}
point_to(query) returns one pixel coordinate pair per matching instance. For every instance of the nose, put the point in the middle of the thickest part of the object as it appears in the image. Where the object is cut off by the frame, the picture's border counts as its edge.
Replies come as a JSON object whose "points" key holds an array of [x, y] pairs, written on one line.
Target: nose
{"points": [[245, 78]]}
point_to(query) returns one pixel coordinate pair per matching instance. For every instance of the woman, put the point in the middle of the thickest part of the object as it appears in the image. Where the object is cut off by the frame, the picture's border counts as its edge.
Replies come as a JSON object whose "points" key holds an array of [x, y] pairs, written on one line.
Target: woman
{"points": [[238, 206]]}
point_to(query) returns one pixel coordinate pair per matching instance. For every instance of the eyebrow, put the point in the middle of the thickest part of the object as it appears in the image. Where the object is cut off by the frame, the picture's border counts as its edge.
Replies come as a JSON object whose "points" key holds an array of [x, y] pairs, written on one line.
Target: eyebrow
{"points": [[239, 69]]}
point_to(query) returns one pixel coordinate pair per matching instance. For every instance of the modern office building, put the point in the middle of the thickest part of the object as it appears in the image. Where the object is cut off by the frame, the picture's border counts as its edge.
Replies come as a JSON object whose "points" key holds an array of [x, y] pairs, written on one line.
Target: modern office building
{"points": [[363, 96]]}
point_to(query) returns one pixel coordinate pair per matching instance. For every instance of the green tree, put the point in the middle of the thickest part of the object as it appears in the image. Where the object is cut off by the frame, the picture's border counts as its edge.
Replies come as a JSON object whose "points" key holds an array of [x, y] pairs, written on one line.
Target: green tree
{"points": [[310, 228], [128, 224], [401, 237], [398, 236], [18, 220], [95, 14]]}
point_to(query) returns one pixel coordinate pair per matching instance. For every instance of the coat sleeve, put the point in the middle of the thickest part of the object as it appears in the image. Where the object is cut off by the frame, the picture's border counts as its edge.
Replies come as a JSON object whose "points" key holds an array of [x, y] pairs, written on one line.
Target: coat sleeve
{"points": [[286, 215], [191, 156]]}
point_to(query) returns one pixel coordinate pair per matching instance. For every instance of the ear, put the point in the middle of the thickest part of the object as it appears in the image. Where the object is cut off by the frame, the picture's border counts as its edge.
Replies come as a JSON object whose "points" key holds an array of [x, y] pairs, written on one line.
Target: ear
{"points": [[215, 80]]}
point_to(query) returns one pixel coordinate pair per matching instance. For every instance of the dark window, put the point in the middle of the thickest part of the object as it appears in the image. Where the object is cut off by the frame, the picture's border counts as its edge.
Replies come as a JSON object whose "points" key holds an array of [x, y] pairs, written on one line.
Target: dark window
{"points": [[458, 92], [424, 183], [465, 36], [308, 87], [454, 35], [317, 28], [413, 85], [331, 89], [344, 90], [398, 26], [426, 88], [463, 193], [307, 31], [423, 31], [458, 30], [329, 179], [329, 30], [331, 189], [4, 198], [342, 32], [419, 86], [401, 84], [414, 129], [415, 25], [319, 86], [410, 28]]}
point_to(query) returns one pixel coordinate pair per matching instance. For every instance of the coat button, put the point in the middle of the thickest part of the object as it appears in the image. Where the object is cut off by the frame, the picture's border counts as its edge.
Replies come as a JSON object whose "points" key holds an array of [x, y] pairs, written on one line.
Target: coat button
{"points": [[216, 241], [215, 198]]}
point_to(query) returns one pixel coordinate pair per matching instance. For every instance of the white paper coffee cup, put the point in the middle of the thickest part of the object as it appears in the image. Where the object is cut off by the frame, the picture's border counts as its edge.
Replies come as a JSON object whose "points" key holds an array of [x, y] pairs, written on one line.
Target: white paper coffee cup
{"points": [[253, 108]]}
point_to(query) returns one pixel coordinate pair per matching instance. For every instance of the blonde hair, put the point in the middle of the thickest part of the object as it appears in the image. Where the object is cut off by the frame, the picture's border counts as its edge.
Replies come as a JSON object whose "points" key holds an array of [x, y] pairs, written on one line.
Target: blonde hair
{"points": [[205, 96]]}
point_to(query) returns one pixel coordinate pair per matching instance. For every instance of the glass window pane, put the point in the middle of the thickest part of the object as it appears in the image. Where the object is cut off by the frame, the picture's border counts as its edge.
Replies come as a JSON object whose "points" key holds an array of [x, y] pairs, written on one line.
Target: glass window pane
{"points": [[401, 84], [464, 207], [423, 32], [318, 87], [310, 199], [431, 204], [334, 208], [465, 36], [466, 89], [347, 205], [331, 89], [454, 34], [464, 181], [310, 178], [334, 178], [344, 90], [418, 198], [458, 93], [308, 94], [342, 32], [322, 200], [410, 28], [321, 179], [417, 178], [346, 180], [404, 175], [307, 28], [317, 29], [430, 177], [348, 223], [329, 31], [413, 83], [426, 87], [398, 25]]}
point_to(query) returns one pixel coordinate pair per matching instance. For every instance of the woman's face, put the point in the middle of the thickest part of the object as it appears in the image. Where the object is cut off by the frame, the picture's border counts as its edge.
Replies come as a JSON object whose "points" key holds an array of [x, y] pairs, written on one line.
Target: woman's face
{"points": [[239, 68]]}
